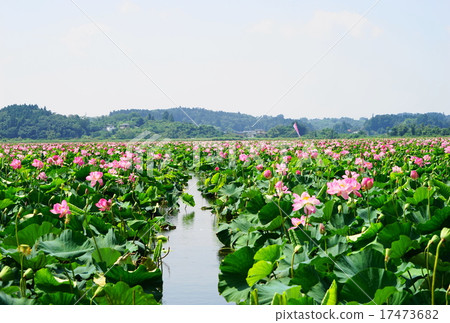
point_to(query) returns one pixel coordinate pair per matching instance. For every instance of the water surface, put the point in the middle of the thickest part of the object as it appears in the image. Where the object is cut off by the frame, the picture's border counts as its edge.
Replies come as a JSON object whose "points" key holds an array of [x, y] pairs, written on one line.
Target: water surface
{"points": [[190, 271]]}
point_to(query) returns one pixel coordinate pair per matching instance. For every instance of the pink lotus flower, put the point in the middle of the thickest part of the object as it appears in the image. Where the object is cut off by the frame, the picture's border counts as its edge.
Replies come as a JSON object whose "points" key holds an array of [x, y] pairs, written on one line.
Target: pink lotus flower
{"points": [[296, 222], [61, 209], [78, 160], [414, 175], [397, 169], [55, 160], [308, 203], [37, 163], [95, 177], [259, 167], [367, 183], [281, 189], [104, 205], [42, 176], [16, 164], [216, 168], [344, 187], [243, 157], [281, 169], [267, 174]]}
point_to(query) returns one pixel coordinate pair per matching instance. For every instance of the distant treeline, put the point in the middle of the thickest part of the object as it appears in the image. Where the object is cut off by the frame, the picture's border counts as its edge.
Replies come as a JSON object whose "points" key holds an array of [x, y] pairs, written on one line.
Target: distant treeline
{"points": [[32, 122]]}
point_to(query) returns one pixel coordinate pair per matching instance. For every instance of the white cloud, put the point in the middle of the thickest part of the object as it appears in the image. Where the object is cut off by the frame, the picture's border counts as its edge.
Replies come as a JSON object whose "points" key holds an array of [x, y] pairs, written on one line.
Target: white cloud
{"points": [[128, 6], [323, 24], [80, 38]]}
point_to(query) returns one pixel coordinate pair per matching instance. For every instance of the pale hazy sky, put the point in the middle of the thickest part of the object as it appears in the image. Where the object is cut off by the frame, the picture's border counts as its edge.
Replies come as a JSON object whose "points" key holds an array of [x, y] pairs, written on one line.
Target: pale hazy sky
{"points": [[227, 55]]}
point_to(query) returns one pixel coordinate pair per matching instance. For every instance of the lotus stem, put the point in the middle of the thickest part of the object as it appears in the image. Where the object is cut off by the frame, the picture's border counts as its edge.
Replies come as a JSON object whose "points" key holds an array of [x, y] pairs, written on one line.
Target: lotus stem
{"points": [[434, 270]]}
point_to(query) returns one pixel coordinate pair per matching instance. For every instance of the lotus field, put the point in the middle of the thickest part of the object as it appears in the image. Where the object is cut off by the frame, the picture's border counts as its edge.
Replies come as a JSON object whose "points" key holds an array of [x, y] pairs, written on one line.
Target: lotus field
{"points": [[302, 222]]}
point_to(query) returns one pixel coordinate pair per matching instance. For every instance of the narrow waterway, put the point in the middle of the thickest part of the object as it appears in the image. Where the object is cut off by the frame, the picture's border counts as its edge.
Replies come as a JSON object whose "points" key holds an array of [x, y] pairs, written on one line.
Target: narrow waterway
{"points": [[190, 271]]}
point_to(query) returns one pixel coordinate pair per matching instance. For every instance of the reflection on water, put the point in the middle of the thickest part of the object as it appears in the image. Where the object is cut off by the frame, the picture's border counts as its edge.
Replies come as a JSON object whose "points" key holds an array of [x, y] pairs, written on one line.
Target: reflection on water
{"points": [[190, 271]]}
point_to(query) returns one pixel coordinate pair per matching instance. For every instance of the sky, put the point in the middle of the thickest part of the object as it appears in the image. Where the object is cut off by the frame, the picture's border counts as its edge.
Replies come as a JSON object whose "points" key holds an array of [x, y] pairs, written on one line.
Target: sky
{"points": [[299, 58]]}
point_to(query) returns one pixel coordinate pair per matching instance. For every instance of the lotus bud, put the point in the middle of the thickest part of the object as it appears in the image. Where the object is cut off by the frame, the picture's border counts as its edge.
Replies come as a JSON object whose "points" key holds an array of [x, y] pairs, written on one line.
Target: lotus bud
{"points": [[162, 238], [434, 239], [267, 174], [445, 234], [297, 248], [6, 274], [414, 175], [322, 229], [28, 274], [387, 255], [367, 183]]}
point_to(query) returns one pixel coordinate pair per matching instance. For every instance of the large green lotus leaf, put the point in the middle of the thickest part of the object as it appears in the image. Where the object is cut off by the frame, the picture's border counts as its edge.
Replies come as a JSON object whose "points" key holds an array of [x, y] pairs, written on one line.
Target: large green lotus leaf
{"points": [[363, 286], [5, 203], [36, 260], [366, 236], [440, 219], [84, 272], [391, 232], [255, 200], [420, 194], [188, 199], [6, 299], [141, 276], [45, 281], [99, 224], [68, 245], [259, 270], [30, 234], [110, 240], [58, 298], [122, 294], [267, 291], [336, 245], [244, 223], [231, 190], [420, 259], [268, 213], [272, 225], [319, 290], [107, 256], [443, 188], [382, 296], [232, 279], [331, 296], [328, 210], [402, 246], [270, 253], [348, 266], [305, 276]]}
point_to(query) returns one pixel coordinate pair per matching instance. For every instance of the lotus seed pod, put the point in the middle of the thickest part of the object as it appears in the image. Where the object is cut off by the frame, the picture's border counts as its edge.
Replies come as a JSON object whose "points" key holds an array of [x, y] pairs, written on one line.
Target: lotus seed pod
{"points": [[297, 248], [24, 249]]}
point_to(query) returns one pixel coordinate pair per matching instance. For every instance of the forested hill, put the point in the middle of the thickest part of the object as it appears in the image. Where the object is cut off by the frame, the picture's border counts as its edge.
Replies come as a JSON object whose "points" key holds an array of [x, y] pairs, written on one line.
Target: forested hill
{"points": [[236, 121], [32, 122]]}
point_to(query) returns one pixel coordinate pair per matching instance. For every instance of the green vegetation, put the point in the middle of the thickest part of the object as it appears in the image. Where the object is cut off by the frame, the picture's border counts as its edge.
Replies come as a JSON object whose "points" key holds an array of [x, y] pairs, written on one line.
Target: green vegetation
{"points": [[31, 122]]}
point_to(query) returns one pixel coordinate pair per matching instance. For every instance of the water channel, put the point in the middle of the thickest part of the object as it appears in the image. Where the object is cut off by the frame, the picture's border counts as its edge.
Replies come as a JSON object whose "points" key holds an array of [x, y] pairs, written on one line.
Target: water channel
{"points": [[190, 271]]}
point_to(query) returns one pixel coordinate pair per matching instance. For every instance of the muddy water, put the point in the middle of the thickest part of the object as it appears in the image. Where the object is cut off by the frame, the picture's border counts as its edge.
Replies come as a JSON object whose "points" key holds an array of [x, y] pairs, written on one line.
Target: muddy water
{"points": [[190, 271]]}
